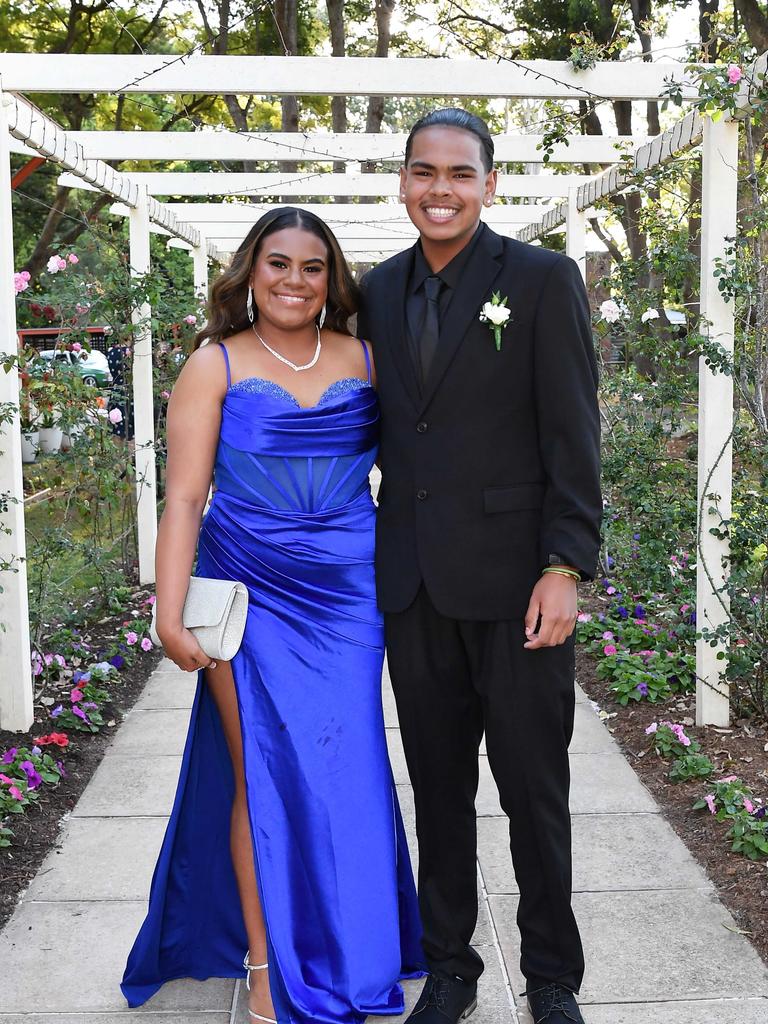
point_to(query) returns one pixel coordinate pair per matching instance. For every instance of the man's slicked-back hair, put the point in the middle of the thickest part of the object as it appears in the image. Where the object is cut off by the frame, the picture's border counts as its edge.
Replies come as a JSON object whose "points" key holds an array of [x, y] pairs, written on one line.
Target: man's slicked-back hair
{"points": [[455, 117]]}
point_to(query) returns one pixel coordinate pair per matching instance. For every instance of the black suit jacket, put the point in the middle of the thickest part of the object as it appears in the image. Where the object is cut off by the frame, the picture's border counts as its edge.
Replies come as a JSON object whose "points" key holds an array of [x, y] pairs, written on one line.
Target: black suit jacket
{"points": [[495, 464]]}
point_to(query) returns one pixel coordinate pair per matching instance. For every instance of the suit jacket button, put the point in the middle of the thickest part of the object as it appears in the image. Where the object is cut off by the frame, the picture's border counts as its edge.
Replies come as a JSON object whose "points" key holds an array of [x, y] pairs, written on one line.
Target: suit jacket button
{"points": [[421, 427], [422, 494]]}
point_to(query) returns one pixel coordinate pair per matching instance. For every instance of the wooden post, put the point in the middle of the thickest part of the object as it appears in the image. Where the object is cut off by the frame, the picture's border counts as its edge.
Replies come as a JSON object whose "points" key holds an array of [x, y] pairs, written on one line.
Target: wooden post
{"points": [[576, 232], [143, 403], [16, 696], [720, 152]]}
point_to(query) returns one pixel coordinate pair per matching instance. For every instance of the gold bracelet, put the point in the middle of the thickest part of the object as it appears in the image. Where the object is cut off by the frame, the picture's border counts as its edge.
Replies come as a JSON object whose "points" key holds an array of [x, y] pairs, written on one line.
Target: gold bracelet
{"points": [[563, 572]]}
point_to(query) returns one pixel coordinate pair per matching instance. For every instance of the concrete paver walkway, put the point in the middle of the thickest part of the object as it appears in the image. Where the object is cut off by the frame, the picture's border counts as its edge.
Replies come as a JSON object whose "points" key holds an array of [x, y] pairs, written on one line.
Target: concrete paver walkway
{"points": [[661, 948]]}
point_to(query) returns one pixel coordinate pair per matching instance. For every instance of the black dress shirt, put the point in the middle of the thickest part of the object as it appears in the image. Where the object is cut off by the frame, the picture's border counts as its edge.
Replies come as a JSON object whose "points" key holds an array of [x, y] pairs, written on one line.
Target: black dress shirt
{"points": [[416, 301]]}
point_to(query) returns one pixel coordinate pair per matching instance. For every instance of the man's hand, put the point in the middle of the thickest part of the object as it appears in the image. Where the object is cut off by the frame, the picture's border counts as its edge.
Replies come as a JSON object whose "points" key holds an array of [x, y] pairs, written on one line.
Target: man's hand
{"points": [[554, 599]]}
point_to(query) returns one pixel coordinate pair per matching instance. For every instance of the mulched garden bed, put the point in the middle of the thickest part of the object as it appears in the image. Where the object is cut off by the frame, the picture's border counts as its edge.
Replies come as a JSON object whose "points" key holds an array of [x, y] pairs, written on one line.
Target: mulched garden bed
{"points": [[36, 831], [742, 884]]}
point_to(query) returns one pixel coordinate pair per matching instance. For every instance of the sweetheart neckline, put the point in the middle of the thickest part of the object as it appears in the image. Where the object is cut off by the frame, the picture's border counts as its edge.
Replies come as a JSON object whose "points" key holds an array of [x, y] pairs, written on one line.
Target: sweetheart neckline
{"points": [[284, 392]]}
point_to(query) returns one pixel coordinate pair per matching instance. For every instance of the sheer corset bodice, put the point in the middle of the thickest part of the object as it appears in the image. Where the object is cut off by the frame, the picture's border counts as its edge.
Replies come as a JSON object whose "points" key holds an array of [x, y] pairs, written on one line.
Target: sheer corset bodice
{"points": [[274, 453]]}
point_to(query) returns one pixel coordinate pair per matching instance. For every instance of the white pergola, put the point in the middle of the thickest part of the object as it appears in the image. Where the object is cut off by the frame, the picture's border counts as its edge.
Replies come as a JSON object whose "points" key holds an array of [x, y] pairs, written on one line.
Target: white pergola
{"points": [[367, 231]]}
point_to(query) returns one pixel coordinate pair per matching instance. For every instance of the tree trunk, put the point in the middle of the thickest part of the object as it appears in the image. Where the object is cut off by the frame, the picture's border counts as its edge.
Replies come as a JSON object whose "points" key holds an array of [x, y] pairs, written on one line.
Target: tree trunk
{"points": [[338, 103], [384, 10], [286, 16], [641, 15], [755, 22], [707, 11]]}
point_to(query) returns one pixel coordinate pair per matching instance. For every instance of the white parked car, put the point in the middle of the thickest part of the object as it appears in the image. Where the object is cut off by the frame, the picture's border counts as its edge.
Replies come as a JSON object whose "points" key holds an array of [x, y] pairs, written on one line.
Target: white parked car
{"points": [[92, 366]]}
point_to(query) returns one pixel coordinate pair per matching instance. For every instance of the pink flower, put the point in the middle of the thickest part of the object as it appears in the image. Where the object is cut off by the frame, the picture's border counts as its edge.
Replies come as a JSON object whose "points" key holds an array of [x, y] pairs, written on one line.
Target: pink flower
{"points": [[12, 789], [609, 649], [151, 599], [749, 807], [610, 590], [20, 283], [131, 638], [165, 394], [72, 258], [709, 800], [607, 635], [48, 659], [729, 778], [76, 695], [651, 728], [190, 319], [734, 73], [59, 659], [645, 654], [146, 644], [583, 617], [76, 346], [115, 416]]}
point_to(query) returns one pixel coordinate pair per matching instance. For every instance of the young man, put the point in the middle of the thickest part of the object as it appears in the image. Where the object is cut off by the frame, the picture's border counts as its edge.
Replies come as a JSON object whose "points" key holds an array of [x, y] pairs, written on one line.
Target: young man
{"points": [[489, 514]]}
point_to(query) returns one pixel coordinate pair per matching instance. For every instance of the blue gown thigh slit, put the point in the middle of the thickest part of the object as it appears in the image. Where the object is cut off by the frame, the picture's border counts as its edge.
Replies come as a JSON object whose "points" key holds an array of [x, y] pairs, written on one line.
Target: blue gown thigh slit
{"points": [[292, 517]]}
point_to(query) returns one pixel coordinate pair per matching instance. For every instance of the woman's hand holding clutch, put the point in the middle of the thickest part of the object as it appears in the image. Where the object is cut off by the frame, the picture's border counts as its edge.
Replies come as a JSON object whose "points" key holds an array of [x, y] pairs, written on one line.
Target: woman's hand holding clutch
{"points": [[183, 649]]}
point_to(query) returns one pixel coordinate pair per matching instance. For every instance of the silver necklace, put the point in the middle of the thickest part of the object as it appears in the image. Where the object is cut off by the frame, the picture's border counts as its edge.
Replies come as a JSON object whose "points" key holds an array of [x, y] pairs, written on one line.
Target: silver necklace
{"points": [[293, 366]]}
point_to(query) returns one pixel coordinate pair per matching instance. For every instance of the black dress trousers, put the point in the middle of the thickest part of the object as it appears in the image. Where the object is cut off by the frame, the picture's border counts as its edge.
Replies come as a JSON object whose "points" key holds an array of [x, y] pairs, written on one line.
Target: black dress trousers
{"points": [[454, 680]]}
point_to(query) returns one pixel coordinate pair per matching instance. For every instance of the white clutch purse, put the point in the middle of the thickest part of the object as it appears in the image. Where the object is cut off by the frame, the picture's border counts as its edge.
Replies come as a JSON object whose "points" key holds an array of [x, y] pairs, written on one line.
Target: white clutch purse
{"points": [[215, 612]]}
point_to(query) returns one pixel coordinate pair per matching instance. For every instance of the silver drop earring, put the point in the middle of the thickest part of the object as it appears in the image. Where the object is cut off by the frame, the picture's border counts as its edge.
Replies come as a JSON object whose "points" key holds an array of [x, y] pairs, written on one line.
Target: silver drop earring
{"points": [[321, 319], [249, 303]]}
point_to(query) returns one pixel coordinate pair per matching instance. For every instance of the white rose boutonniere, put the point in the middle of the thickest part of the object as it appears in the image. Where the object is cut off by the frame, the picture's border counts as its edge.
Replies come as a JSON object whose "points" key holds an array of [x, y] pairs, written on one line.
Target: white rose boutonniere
{"points": [[497, 315]]}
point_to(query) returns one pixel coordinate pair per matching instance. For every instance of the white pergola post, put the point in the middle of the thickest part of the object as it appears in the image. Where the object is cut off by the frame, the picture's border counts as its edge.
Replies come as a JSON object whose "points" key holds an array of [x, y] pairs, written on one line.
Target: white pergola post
{"points": [[200, 270], [16, 697], [576, 232], [719, 157], [143, 402]]}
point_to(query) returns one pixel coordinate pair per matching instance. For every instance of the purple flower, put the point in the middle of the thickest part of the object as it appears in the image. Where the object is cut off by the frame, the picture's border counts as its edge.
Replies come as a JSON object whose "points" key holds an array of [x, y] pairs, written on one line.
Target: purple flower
{"points": [[642, 689], [88, 705], [80, 713], [117, 660], [34, 778], [622, 612], [60, 769], [636, 536], [610, 562], [9, 755], [36, 751], [639, 611], [57, 711], [81, 677]]}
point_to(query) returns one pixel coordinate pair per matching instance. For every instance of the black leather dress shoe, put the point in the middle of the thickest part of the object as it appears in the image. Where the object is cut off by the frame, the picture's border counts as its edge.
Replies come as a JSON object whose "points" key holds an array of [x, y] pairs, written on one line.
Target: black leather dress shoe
{"points": [[553, 1004], [444, 1001]]}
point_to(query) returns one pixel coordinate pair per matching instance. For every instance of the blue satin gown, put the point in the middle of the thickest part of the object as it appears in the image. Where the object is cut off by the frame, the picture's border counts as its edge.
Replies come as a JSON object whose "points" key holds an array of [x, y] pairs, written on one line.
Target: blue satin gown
{"points": [[292, 517]]}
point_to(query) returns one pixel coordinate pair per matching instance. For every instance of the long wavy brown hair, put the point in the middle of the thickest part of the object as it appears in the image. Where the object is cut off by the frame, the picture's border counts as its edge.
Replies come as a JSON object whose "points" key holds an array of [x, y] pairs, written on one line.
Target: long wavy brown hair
{"points": [[227, 313]]}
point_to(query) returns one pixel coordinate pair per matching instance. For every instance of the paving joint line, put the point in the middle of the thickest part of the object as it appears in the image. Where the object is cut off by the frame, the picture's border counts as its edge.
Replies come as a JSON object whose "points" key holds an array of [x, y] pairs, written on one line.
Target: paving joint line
{"points": [[497, 945]]}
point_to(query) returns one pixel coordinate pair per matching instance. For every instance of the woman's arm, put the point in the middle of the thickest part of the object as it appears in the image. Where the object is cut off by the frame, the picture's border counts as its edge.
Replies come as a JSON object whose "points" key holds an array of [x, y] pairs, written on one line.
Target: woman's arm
{"points": [[194, 420]]}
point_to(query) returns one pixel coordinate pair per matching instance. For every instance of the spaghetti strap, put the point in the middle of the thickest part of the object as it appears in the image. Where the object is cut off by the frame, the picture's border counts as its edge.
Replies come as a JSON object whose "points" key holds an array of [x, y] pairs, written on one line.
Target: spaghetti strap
{"points": [[223, 348], [367, 358]]}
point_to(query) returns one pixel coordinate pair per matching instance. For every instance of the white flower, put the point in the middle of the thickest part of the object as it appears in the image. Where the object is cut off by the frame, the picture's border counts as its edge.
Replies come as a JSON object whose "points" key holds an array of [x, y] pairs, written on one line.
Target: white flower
{"points": [[495, 314], [650, 314], [637, 397], [610, 311], [52, 266]]}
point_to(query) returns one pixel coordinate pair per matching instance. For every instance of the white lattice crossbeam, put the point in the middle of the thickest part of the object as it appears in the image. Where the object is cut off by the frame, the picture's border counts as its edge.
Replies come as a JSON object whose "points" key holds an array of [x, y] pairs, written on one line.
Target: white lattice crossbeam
{"points": [[197, 183], [46, 138], [338, 76], [225, 145], [683, 135]]}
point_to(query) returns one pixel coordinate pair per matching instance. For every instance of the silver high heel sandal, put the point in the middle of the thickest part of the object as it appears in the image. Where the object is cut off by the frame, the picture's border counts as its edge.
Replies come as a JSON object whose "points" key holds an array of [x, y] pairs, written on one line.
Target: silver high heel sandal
{"points": [[255, 967]]}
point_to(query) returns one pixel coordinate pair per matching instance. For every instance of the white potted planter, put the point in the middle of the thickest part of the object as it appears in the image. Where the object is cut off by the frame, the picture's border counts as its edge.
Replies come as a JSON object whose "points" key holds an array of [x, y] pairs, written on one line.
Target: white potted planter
{"points": [[50, 439], [30, 443]]}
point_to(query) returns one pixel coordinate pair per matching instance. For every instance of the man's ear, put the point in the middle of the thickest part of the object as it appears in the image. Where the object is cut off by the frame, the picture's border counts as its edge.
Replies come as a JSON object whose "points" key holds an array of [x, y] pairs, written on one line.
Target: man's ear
{"points": [[403, 175], [491, 184]]}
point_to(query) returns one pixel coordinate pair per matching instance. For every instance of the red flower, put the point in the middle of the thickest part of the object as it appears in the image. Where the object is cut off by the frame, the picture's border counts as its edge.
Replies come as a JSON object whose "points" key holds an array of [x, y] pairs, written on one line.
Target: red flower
{"points": [[59, 738], [49, 312]]}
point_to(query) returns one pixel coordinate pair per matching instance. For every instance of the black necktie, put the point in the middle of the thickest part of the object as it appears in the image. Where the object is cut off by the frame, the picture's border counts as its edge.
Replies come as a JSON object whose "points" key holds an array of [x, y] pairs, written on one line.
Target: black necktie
{"points": [[430, 331]]}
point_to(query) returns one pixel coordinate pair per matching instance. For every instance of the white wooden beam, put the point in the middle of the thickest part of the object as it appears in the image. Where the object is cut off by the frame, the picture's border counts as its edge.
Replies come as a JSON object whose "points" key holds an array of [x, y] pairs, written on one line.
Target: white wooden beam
{"points": [[337, 76], [720, 157], [681, 136], [308, 183], [143, 402], [376, 215], [16, 697], [576, 233], [317, 147], [47, 139]]}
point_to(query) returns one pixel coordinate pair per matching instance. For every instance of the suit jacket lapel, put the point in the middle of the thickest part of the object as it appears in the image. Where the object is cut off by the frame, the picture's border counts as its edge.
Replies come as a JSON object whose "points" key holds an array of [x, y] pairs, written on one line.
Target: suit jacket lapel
{"points": [[398, 327], [474, 289]]}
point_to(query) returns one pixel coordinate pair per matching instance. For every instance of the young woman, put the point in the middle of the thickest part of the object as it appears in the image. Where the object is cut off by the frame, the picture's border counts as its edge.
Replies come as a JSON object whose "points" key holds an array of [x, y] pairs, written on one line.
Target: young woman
{"points": [[285, 853]]}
